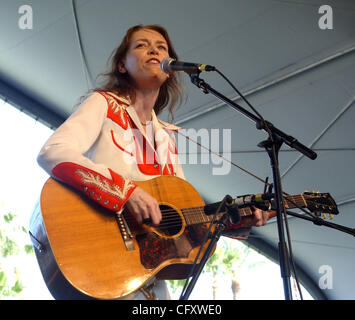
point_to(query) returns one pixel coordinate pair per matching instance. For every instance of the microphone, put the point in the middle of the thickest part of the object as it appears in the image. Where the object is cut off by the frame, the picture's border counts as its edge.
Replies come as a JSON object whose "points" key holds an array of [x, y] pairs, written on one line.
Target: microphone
{"points": [[260, 201], [169, 65]]}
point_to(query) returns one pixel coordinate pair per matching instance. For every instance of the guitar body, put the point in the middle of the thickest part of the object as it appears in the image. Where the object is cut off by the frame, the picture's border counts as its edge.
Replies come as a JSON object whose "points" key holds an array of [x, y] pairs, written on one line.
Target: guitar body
{"points": [[83, 253]]}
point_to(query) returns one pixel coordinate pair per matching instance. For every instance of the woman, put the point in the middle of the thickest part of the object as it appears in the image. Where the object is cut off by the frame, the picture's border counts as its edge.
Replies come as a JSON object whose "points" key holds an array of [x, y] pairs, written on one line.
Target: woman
{"points": [[115, 138]]}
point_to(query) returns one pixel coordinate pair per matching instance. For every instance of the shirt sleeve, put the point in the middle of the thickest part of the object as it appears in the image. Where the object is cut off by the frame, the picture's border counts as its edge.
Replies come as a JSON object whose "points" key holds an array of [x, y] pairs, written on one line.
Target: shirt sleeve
{"points": [[63, 156], [236, 231]]}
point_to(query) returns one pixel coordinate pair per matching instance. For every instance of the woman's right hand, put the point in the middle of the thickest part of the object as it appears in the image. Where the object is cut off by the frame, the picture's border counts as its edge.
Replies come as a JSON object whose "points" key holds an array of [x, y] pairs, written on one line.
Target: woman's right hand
{"points": [[143, 206]]}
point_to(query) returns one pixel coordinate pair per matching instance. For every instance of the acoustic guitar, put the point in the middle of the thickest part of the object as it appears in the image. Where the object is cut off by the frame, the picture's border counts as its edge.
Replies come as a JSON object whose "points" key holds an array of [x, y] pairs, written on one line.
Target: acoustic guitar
{"points": [[86, 251]]}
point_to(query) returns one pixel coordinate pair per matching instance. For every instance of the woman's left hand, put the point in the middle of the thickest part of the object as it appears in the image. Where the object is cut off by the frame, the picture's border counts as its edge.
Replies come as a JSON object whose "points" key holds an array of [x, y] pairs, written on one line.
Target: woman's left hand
{"points": [[258, 219]]}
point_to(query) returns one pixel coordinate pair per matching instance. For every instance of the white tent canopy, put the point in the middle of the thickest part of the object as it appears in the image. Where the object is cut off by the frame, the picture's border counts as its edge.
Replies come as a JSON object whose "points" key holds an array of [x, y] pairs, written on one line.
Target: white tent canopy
{"points": [[298, 75]]}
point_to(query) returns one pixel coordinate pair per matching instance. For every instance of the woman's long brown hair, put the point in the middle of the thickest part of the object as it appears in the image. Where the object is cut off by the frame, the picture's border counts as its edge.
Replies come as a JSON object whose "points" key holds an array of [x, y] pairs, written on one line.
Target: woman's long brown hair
{"points": [[170, 93]]}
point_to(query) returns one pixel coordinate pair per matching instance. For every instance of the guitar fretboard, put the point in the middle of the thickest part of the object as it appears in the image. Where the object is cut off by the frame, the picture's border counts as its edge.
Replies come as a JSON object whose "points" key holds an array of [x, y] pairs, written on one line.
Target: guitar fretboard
{"points": [[197, 215]]}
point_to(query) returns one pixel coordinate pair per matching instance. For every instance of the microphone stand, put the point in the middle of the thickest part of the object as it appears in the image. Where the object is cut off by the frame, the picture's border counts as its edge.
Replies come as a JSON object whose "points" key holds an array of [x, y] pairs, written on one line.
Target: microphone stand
{"points": [[232, 214], [320, 222], [272, 146]]}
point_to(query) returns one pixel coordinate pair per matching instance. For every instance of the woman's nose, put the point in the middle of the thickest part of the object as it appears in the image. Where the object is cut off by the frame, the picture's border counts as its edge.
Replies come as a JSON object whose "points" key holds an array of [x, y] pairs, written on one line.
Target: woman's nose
{"points": [[153, 50]]}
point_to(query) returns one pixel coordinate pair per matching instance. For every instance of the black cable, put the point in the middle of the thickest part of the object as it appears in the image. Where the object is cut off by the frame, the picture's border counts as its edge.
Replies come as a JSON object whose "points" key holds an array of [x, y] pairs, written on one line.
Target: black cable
{"points": [[240, 94], [247, 102]]}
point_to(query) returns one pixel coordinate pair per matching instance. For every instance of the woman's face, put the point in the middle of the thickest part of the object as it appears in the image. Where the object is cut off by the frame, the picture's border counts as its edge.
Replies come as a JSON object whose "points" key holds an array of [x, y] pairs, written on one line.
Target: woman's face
{"points": [[142, 62]]}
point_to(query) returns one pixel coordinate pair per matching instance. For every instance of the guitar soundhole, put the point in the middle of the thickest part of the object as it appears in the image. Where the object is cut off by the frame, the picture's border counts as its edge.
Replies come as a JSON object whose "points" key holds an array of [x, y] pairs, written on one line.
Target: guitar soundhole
{"points": [[171, 222]]}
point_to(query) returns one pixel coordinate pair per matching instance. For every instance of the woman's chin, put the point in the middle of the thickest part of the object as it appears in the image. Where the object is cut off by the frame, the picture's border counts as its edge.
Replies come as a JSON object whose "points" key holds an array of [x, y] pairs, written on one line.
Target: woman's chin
{"points": [[153, 80]]}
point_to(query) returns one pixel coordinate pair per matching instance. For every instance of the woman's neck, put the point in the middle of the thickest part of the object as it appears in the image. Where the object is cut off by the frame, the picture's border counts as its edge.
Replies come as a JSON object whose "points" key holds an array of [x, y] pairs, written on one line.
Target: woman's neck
{"points": [[144, 103]]}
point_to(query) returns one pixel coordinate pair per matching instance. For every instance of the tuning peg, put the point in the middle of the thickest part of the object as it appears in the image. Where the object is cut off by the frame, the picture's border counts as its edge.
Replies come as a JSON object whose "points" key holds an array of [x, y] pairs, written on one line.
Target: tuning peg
{"points": [[312, 191], [324, 216], [305, 191], [331, 216]]}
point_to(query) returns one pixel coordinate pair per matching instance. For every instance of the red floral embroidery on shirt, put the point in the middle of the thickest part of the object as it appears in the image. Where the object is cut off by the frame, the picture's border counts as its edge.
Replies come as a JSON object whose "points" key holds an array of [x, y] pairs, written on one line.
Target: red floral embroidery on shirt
{"points": [[110, 193], [117, 110]]}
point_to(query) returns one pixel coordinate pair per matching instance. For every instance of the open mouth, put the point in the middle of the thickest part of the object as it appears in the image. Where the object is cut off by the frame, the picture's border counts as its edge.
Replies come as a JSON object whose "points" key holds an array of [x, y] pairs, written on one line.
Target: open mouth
{"points": [[154, 61]]}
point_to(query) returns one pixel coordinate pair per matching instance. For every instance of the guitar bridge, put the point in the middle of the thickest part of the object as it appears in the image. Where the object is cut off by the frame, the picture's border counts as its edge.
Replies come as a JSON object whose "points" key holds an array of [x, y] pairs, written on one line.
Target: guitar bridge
{"points": [[125, 232]]}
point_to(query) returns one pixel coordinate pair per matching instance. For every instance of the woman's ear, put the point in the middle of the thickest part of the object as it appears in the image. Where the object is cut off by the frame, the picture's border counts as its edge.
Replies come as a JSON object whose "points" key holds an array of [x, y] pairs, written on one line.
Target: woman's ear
{"points": [[121, 67]]}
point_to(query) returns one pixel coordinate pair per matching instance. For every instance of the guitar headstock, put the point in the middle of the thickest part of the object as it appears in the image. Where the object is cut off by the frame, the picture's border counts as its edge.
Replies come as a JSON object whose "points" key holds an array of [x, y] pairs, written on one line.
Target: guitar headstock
{"points": [[320, 203]]}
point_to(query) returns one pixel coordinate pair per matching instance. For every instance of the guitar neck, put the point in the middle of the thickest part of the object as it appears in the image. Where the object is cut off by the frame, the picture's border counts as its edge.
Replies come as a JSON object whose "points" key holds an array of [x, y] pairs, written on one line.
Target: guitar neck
{"points": [[197, 215], [296, 201]]}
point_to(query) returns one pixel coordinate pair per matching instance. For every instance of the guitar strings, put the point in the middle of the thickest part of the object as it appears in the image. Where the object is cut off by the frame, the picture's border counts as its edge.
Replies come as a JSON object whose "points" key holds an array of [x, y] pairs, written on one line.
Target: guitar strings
{"points": [[172, 218], [188, 213], [193, 215]]}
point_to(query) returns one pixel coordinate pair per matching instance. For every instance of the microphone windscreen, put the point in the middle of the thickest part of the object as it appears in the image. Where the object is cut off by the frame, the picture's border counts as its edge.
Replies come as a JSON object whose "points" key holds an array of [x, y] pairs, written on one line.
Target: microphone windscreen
{"points": [[164, 65]]}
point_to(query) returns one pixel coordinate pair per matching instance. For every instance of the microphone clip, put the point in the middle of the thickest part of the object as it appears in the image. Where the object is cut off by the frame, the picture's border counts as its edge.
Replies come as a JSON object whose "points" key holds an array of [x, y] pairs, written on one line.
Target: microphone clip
{"points": [[198, 82], [232, 209]]}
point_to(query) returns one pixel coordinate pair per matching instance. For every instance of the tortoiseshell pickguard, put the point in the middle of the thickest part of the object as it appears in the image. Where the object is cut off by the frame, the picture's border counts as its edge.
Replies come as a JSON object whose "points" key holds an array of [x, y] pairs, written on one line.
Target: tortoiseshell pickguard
{"points": [[155, 249]]}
